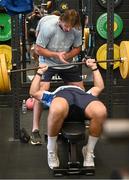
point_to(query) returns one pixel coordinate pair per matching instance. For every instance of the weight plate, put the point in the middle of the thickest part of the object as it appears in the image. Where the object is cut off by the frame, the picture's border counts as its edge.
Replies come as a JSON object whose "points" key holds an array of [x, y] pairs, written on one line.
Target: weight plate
{"points": [[1, 80], [7, 50], [103, 3], [102, 55], [5, 27], [102, 25], [4, 74], [124, 53]]}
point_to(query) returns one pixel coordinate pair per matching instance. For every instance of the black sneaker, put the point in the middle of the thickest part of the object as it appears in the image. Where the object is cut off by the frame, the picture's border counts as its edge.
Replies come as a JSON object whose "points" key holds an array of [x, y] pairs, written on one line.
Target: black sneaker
{"points": [[35, 138]]}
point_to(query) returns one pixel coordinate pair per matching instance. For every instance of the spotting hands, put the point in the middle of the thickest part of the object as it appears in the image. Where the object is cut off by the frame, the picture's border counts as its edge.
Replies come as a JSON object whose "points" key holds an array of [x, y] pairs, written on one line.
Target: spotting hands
{"points": [[62, 57]]}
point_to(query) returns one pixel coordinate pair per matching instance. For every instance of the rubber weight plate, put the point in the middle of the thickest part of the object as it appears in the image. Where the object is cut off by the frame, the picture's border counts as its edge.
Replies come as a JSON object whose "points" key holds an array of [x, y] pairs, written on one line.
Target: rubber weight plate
{"points": [[102, 25], [103, 3], [2, 89], [5, 84], [5, 27], [7, 50], [102, 55], [124, 53]]}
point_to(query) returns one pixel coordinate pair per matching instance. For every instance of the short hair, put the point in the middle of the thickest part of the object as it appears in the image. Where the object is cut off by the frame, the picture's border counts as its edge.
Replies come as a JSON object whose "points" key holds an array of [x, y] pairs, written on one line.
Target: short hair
{"points": [[56, 12], [72, 17]]}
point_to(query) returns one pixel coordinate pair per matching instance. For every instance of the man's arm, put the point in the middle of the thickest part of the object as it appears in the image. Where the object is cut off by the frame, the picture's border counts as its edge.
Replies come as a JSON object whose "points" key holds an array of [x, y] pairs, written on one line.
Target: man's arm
{"points": [[62, 56], [35, 85], [97, 78], [74, 52], [49, 54]]}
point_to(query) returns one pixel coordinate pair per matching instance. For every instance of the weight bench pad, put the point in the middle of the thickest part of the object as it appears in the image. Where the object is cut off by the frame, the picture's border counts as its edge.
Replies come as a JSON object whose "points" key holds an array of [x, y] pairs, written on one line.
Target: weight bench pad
{"points": [[73, 130]]}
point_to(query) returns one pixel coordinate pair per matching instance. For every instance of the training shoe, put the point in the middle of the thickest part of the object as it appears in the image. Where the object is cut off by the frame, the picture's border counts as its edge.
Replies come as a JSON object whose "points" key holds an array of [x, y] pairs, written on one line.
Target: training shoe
{"points": [[35, 138], [88, 157], [53, 160]]}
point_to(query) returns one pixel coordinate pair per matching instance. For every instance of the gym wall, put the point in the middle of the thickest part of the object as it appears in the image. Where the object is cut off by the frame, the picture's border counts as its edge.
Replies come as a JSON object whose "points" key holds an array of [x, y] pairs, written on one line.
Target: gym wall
{"points": [[120, 86]]}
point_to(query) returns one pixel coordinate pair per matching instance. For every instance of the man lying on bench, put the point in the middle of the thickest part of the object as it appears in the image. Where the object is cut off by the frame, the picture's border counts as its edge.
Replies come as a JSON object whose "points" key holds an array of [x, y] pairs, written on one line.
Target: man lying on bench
{"points": [[60, 102]]}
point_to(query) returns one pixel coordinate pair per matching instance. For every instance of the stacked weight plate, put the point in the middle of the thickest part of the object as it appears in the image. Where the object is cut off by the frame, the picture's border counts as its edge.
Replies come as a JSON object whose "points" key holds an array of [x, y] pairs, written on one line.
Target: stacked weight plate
{"points": [[5, 52], [101, 28]]}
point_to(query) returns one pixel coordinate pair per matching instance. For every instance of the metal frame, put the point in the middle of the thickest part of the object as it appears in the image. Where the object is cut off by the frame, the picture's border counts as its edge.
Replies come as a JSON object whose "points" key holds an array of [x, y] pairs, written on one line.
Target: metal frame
{"points": [[110, 54], [23, 40], [91, 44], [16, 78]]}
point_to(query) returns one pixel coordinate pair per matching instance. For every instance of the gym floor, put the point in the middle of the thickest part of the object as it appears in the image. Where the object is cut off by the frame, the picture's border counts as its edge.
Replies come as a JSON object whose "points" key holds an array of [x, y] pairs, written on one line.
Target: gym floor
{"points": [[24, 161]]}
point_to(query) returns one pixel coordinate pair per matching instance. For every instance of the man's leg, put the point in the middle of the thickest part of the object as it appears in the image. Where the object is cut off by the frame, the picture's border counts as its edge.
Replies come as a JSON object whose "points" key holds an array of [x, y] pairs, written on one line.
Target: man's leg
{"points": [[96, 111], [58, 112], [37, 111]]}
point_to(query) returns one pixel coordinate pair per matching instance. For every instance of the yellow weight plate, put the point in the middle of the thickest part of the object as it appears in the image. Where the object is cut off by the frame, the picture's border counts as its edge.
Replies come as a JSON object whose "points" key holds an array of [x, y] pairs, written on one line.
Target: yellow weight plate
{"points": [[4, 73], [1, 79], [102, 55], [124, 53], [86, 37], [7, 50]]}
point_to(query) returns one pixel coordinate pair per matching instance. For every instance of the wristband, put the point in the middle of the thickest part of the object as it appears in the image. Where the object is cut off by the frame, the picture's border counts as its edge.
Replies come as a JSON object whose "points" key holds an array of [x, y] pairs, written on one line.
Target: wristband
{"points": [[39, 74], [95, 69]]}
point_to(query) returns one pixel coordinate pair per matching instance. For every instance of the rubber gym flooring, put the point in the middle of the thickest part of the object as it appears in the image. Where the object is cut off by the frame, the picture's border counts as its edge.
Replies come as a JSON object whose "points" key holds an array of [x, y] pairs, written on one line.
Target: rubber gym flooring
{"points": [[24, 161]]}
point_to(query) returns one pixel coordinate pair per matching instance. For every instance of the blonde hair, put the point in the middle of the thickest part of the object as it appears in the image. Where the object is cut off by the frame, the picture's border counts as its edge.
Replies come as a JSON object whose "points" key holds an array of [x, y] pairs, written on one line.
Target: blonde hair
{"points": [[71, 16]]}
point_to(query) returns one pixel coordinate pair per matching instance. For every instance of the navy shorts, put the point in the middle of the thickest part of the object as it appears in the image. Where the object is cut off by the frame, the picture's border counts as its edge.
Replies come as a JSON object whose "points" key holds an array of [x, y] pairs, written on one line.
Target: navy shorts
{"points": [[78, 101], [73, 74]]}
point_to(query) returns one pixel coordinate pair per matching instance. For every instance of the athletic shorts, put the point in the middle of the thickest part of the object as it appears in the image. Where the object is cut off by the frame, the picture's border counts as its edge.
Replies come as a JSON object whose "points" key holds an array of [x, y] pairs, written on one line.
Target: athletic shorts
{"points": [[78, 101], [73, 74]]}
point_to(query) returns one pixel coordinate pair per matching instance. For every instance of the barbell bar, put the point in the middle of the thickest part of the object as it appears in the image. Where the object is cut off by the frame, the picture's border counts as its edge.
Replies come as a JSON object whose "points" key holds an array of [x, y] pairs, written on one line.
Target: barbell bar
{"points": [[69, 64], [5, 84]]}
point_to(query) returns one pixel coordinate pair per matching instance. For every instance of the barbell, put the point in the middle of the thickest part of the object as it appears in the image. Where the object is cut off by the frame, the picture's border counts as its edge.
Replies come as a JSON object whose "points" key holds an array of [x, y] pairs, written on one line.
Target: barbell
{"points": [[5, 84], [64, 65]]}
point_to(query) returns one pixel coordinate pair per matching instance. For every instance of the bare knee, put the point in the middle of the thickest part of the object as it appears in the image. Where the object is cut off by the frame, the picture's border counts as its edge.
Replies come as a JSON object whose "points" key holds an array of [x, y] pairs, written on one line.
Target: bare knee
{"points": [[97, 110], [57, 113], [58, 109], [101, 112]]}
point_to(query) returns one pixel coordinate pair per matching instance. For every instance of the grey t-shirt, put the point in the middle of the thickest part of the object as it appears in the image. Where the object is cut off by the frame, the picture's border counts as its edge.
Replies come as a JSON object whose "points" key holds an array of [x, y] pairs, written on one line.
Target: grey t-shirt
{"points": [[52, 37]]}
